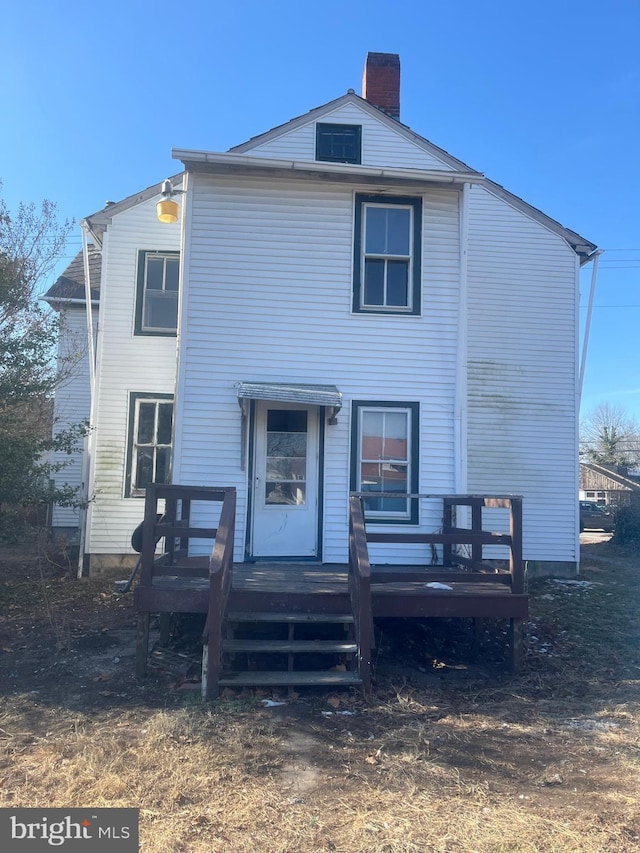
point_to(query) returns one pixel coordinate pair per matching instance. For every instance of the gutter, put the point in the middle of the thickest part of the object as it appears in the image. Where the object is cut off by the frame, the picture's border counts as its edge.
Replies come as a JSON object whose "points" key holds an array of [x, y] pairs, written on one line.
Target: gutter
{"points": [[587, 329], [88, 441], [212, 161], [460, 402], [68, 300]]}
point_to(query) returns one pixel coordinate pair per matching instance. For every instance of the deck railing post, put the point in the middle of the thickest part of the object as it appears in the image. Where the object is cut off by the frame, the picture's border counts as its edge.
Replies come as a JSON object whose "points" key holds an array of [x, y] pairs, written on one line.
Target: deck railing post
{"points": [[170, 512], [515, 560], [148, 535], [447, 524], [220, 578], [476, 527], [360, 589], [185, 518]]}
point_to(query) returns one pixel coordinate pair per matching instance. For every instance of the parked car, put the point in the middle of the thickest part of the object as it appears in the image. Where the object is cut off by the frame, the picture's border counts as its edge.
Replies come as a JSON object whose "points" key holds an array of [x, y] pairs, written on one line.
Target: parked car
{"points": [[595, 517]]}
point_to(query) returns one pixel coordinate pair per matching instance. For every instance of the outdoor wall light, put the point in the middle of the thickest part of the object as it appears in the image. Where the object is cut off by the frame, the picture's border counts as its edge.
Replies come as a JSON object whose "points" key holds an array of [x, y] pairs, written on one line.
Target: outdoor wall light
{"points": [[167, 209]]}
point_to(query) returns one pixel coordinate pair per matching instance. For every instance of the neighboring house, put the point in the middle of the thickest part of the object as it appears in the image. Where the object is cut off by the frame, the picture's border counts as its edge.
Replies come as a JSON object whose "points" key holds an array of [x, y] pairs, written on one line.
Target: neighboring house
{"points": [[72, 402], [136, 266], [605, 486], [359, 311]]}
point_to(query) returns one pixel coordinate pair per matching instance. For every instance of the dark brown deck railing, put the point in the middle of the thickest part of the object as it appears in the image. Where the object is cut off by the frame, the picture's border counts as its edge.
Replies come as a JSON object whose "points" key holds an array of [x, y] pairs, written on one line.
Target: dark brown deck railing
{"points": [[360, 589], [175, 527], [220, 577], [474, 568]]}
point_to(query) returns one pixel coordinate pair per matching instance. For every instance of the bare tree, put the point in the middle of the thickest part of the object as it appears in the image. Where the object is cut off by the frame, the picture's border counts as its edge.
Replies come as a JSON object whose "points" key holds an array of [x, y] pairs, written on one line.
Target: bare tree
{"points": [[30, 243], [610, 436]]}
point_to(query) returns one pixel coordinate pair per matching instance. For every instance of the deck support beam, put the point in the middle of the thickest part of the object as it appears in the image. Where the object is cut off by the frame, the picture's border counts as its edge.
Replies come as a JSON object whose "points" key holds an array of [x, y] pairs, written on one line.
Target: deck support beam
{"points": [[142, 643]]}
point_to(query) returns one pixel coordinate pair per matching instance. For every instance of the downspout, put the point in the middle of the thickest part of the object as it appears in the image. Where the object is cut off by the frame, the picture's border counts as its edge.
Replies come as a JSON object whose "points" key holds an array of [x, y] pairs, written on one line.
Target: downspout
{"points": [[88, 442], [460, 403], [587, 328]]}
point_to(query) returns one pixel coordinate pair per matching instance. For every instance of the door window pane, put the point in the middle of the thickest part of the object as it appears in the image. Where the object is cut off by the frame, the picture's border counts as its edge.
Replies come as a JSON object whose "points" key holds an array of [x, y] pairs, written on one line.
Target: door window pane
{"points": [[286, 457]]}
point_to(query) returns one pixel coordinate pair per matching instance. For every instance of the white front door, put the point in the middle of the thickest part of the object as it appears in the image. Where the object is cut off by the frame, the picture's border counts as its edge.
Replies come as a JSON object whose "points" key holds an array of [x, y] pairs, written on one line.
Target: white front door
{"points": [[285, 481]]}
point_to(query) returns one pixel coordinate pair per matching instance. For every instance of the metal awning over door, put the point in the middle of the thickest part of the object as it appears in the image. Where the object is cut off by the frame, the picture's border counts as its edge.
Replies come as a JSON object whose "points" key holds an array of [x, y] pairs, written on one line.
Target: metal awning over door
{"points": [[286, 392], [327, 396]]}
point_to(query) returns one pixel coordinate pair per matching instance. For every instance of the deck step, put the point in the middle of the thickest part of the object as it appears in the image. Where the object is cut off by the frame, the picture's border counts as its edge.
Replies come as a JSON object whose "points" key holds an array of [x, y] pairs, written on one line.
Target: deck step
{"points": [[299, 618], [291, 646], [288, 679]]}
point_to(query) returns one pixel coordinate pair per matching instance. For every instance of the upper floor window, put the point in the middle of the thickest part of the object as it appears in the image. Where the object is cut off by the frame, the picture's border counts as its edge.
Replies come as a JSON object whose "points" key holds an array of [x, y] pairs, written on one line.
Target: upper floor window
{"points": [[387, 256], [157, 293], [339, 143], [149, 442]]}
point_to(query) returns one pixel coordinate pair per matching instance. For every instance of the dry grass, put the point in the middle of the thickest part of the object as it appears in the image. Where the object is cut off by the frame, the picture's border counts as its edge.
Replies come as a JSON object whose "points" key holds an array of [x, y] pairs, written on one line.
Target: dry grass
{"points": [[452, 760]]}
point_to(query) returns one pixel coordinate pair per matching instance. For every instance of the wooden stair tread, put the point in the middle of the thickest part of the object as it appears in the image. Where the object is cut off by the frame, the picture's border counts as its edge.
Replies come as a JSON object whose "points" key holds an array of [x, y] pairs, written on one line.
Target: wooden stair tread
{"points": [[292, 646], [287, 679], [301, 618]]}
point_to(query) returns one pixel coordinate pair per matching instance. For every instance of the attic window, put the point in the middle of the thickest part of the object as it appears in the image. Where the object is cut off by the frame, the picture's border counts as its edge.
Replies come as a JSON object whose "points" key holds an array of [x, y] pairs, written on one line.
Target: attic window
{"points": [[339, 143]]}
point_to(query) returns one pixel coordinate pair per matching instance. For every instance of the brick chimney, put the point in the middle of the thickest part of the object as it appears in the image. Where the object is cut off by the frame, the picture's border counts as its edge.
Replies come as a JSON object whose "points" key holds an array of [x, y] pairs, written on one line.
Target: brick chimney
{"points": [[381, 82]]}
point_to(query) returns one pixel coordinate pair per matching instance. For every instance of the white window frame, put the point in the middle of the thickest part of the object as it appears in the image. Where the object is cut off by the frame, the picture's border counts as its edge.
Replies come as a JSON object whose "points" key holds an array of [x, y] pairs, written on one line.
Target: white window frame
{"points": [[381, 515], [145, 256], [133, 446], [386, 257]]}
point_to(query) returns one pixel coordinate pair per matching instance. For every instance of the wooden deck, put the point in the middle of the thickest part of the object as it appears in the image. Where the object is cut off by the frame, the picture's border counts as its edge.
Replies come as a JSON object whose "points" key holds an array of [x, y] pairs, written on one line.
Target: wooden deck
{"points": [[268, 582], [293, 593]]}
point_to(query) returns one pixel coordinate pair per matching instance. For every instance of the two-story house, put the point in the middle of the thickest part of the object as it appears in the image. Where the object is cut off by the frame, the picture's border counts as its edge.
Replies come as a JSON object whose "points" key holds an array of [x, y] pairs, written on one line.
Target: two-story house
{"points": [[357, 311]]}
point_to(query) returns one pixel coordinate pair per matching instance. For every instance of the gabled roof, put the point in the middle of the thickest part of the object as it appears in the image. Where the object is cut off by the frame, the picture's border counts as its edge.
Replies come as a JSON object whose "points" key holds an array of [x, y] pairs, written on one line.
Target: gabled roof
{"points": [[618, 479], [352, 98], [579, 244], [70, 286]]}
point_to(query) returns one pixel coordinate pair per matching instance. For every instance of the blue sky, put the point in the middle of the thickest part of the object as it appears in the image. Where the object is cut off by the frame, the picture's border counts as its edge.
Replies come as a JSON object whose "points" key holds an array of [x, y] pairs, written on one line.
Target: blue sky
{"points": [[543, 97]]}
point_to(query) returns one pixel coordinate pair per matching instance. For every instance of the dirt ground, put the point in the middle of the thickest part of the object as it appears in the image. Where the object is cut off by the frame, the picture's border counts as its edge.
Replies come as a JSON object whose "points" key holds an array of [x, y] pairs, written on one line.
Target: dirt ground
{"points": [[448, 754]]}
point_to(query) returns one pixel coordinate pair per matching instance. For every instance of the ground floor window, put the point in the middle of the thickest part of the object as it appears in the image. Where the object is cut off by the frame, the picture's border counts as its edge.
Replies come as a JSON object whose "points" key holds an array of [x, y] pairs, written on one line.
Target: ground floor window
{"points": [[384, 459], [149, 442]]}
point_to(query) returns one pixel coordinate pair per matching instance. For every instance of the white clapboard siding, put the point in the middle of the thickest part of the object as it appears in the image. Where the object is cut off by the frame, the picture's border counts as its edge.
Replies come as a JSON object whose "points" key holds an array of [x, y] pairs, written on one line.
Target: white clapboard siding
{"points": [[381, 145], [72, 402], [269, 272], [522, 372], [126, 363]]}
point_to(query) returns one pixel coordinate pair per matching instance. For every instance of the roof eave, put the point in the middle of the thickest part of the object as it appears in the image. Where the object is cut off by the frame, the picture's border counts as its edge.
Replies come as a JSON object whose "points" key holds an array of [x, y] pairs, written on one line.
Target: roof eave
{"points": [[239, 164], [98, 222]]}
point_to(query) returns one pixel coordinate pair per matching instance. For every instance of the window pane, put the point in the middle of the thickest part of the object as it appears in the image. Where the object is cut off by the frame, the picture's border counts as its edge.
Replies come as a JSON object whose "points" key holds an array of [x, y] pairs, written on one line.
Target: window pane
{"points": [[155, 271], [286, 468], [372, 435], [384, 465], [286, 444], [373, 281], [172, 271], [395, 436], [146, 423], [163, 457], [338, 143], [160, 310], [285, 493], [398, 231], [398, 283], [376, 230], [286, 420], [144, 467], [165, 418]]}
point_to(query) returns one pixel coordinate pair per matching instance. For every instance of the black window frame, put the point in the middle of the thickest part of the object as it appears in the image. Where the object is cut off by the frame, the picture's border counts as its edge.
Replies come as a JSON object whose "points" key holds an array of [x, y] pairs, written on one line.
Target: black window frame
{"points": [[135, 398], [323, 132], [413, 457], [139, 327], [414, 288]]}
